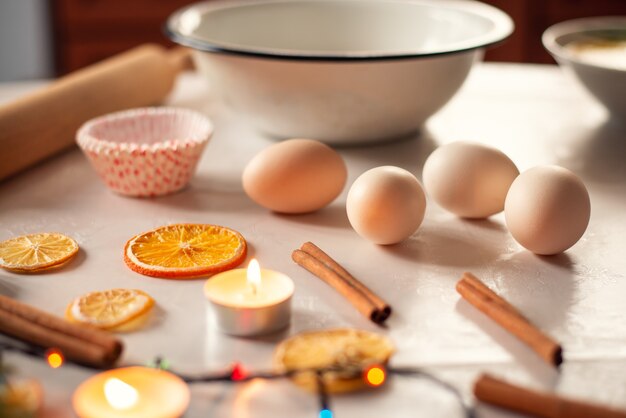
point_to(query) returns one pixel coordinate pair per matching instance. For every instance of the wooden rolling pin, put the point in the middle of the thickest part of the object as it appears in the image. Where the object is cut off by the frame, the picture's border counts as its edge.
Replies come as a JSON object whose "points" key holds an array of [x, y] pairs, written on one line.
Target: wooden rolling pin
{"points": [[42, 124]]}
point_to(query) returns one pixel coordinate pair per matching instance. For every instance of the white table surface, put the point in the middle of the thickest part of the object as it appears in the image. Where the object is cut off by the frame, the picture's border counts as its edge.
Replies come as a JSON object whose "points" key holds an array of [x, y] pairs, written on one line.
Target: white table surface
{"points": [[535, 114]]}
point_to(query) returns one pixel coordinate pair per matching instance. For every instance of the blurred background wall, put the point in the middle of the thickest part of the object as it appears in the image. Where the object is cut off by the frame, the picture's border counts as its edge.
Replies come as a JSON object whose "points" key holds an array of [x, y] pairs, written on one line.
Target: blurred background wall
{"points": [[43, 38], [26, 47]]}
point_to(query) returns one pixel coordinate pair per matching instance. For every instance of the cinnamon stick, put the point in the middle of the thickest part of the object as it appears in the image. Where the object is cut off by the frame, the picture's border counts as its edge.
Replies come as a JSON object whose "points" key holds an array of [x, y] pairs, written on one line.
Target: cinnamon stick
{"points": [[506, 395], [502, 312], [317, 252], [78, 343], [316, 261]]}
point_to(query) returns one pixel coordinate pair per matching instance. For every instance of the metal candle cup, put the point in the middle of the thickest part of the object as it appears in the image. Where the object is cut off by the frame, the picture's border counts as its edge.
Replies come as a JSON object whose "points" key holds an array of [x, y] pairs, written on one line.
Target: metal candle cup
{"points": [[247, 307], [133, 392]]}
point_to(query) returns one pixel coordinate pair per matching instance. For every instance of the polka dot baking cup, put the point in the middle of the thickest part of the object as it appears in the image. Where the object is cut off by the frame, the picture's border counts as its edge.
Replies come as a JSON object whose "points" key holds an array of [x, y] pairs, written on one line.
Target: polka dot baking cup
{"points": [[147, 151]]}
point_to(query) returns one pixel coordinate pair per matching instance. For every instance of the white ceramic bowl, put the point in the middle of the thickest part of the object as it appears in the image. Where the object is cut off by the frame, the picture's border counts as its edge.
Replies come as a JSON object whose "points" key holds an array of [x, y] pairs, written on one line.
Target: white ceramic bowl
{"points": [[340, 71], [604, 81]]}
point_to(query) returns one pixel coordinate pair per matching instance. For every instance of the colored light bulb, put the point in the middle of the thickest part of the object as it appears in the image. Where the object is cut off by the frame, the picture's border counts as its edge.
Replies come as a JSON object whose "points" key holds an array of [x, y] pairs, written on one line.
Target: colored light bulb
{"points": [[375, 376], [159, 363], [326, 413], [238, 373], [54, 358]]}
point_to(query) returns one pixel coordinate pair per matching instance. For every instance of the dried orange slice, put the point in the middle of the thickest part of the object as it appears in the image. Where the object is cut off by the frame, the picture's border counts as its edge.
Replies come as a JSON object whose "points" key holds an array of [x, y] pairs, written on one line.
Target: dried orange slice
{"points": [[348, 350], [109, 309], [21, 398], [36, 252], [185, 251]]}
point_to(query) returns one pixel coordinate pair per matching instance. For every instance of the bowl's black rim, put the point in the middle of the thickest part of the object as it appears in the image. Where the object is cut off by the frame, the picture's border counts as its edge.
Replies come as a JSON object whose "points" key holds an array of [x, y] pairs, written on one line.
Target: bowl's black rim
{"points": [[207, 46]]}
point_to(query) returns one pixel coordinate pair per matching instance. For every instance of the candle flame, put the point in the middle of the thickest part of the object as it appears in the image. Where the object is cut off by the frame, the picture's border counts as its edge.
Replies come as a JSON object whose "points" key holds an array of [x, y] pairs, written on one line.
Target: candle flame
{"points": [[254, 275], [119, 394]]}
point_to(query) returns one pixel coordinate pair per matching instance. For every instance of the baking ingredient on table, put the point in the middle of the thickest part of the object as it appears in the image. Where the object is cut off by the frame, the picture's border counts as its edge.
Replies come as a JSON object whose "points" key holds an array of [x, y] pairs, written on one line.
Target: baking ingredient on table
{"points": [[185, 251], [44, 123], [295, 176], [146, 152], [349, 349], [507, 316], [252, 301], [35, 253], [386, 205], [20, 398], [516, 398], [547, 209], [114, 309], [469, 179], [316, 261], [78, 343], [605, 52], [132, 392]]}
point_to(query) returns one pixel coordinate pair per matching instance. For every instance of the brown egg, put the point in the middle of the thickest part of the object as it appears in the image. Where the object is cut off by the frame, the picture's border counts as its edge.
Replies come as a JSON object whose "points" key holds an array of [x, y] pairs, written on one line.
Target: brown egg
{"points": [[470, 180], [386, 205], [547, 209], [295, 176]]}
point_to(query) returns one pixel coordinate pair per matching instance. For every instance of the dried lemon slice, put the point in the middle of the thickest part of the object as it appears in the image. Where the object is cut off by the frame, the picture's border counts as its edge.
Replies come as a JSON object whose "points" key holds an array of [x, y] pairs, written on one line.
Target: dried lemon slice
{"points": [[109, 309], [352, 350], [185, 251], [36, 252]]}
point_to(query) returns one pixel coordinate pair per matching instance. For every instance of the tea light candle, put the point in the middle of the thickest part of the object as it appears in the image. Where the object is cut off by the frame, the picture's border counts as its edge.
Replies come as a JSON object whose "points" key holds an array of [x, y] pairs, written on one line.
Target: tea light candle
{"points": [[251, 301], [132, 392]]}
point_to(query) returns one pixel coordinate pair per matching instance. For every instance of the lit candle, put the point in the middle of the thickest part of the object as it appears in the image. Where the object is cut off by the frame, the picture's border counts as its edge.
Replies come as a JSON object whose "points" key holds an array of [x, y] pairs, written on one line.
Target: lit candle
{"points": [[132, 392], [251, 301]]}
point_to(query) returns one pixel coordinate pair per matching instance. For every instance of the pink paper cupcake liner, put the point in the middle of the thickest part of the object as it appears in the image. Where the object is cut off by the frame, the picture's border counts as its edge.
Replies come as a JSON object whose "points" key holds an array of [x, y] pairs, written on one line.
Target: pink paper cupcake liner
{"points": [[147, 151]]}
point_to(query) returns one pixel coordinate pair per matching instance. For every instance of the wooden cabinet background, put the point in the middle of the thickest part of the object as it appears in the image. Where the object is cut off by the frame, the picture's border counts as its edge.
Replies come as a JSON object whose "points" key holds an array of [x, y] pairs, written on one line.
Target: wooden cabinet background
{"points": [[87, 31]]}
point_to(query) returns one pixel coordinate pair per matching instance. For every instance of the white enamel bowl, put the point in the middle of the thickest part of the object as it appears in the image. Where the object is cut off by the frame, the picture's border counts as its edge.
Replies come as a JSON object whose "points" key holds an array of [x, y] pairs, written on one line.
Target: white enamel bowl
{"points": [[607, 84], [340, 71]]}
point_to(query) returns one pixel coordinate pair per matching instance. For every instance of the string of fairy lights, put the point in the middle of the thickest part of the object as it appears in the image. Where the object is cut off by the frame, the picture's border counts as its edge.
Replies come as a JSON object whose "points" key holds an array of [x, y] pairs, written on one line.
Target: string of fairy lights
{"points": [[373, 375]]}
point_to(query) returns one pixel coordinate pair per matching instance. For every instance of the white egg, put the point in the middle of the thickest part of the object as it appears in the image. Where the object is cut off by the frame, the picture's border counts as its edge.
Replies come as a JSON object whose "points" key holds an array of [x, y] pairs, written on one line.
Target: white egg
{"points": [[386, 205], [295, 176], [547, 209], [468, 179]]}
